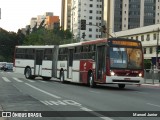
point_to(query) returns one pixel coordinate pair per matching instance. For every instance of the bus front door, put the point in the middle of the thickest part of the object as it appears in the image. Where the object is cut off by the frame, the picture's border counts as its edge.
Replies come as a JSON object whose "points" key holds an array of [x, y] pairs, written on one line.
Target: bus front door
{"points": [[70, 64], [100, 62], [38, 62]]}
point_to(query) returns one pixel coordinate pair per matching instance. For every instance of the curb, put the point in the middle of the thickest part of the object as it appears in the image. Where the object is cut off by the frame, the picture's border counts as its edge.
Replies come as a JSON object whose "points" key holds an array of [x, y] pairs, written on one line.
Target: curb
{"points": [[151, 85]]}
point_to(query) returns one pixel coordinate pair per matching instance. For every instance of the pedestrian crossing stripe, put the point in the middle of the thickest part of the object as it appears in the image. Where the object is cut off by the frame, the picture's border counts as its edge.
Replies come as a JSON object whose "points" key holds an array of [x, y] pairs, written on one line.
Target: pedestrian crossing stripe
{"points": [[16, 79], [6, 79]]}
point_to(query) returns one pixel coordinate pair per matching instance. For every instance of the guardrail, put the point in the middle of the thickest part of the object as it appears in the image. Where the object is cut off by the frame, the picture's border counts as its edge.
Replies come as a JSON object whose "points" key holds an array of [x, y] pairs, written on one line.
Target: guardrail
{"points": [[152, 76]]}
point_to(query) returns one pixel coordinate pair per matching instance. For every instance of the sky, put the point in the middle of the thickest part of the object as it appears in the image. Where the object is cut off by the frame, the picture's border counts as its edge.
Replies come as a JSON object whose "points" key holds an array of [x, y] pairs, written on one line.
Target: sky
{"points": [[16, 14]]}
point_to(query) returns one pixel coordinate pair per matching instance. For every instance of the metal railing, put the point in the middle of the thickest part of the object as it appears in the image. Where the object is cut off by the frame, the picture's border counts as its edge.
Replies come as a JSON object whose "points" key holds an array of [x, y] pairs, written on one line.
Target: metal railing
{"points": [[152, 76]]}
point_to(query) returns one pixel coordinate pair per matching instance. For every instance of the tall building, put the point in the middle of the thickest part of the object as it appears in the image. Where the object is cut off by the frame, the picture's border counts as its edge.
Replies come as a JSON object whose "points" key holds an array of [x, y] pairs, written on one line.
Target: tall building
{"points": [[52, 22], [66, 14], [129, 14], [135, 19], [48, 20], [91, 11], [33, 23]]}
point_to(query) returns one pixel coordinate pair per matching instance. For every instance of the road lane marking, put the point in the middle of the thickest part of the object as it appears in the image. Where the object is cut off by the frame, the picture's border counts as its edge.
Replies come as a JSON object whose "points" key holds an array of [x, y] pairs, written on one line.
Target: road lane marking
{"points": [[153, 104], [44, 102], [141, 92], [86, 109], [16, 79], [31, 81], [52, 95], [94, 92], [95, 113], [6, 79], [47, 102]]}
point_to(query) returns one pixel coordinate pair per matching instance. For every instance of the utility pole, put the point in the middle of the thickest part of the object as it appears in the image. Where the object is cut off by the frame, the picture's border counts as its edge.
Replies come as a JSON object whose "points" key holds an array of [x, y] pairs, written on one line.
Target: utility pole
{"points": [[108, 18], [157, 60]]}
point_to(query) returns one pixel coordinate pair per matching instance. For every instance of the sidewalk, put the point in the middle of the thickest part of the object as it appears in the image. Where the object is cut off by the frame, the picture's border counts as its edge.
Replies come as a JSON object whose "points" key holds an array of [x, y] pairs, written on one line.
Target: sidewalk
{"points": [[151, 82]]}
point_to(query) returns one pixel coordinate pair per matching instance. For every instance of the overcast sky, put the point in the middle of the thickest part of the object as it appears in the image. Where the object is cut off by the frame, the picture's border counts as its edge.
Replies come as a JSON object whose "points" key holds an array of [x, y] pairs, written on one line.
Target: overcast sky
{"points": [[16, 14]]}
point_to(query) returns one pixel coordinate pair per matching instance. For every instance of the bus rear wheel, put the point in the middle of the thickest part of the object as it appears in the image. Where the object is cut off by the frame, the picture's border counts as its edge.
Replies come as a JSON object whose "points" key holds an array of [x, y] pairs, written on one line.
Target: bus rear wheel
{"points": [[28, 73], [121, 86]]}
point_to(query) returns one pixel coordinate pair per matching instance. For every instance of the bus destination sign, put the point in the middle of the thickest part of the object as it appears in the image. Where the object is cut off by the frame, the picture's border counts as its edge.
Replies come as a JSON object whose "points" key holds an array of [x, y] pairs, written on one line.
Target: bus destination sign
{"points": [[125, 43]]}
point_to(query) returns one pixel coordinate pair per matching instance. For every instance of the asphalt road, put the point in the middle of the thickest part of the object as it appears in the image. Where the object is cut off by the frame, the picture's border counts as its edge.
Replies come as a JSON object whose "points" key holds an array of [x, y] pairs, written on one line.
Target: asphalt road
{"points": [[80, 101]]}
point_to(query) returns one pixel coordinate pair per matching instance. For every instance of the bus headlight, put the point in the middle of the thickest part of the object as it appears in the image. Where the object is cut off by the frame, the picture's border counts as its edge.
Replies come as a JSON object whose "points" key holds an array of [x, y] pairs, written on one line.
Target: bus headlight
{"points": [[140, 74], [112, 73]]}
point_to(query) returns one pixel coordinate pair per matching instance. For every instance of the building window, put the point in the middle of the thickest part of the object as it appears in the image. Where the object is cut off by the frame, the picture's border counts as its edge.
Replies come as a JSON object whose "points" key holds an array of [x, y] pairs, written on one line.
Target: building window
{"points": [[142, 37], [144, 50], [148, 37], [90, 5], [90, 36], [154, 36], [96, 30], [90, 23], [90, 29], [90, 11], [136, 37], [90, 17], [150, 50]]}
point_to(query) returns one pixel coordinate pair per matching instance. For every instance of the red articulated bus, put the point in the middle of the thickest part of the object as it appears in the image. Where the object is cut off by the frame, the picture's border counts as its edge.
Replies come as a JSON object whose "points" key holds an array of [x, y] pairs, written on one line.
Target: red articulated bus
{"points": [[103, 61]]}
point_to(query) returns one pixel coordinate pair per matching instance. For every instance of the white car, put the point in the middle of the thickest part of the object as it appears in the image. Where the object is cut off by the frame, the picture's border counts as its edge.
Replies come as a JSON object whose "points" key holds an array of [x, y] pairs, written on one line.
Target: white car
{"points": [[8, 66]]}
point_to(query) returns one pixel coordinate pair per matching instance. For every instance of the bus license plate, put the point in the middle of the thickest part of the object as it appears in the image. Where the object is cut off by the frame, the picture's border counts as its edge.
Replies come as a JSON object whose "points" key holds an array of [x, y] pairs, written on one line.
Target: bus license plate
{"points": [[127, 79]]}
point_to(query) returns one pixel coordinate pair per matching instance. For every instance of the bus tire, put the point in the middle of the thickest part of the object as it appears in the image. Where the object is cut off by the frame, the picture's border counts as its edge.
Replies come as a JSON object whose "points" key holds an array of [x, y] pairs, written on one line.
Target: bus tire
{"points": [[92, 84], [28, 74], [62, 76], [121, 86]]}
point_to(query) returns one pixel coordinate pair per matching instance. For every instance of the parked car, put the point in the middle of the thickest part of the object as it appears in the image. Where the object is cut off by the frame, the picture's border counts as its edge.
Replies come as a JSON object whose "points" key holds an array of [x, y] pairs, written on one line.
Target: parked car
{"points": [[8, 66], [2, 64]]}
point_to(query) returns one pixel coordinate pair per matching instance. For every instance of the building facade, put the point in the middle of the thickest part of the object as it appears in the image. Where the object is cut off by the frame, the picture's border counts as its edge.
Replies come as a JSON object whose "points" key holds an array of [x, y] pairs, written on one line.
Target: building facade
{"points": [[91, 11], [66, 14], [130, 14], [149, 37], [52, 22], [48, 20], [135, 19]]}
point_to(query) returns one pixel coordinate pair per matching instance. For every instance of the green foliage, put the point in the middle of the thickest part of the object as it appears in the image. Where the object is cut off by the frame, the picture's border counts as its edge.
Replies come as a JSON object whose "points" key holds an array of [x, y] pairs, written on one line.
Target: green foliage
{"points": [[8, 41], [43, 36], [39, 36]]}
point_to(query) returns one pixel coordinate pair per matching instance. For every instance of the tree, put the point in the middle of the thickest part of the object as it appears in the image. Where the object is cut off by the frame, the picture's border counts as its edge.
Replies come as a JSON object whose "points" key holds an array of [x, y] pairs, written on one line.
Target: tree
{"points": [[8, 41], [43, 36]]}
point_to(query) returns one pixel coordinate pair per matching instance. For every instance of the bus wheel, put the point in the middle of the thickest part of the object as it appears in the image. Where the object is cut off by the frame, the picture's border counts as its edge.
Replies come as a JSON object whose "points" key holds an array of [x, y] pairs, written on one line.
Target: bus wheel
{"points": [[92, 84], [62, 76], [28, 73], [121, 86]]}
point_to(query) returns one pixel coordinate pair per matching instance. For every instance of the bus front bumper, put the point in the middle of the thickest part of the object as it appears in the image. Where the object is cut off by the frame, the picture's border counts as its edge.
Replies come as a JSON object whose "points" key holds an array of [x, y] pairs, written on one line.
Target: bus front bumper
{"points": [[124, 80]]}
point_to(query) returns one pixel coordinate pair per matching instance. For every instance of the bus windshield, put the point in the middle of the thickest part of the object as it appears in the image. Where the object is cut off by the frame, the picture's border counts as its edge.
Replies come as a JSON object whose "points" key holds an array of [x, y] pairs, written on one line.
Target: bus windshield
{"points": [[127, 58]]}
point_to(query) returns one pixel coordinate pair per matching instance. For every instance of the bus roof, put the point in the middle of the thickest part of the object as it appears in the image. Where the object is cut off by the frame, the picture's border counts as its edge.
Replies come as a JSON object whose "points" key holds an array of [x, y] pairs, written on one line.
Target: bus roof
{"points": [[37, 46], [84, 43]]}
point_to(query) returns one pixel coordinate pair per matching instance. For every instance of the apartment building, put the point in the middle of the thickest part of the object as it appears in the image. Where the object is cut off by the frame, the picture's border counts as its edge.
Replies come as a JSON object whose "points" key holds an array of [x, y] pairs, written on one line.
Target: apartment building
{"points": [[33, 23], [48, 19], [91, 11], [66, 14], [52, 22], [130, 14], [135, 19]]}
